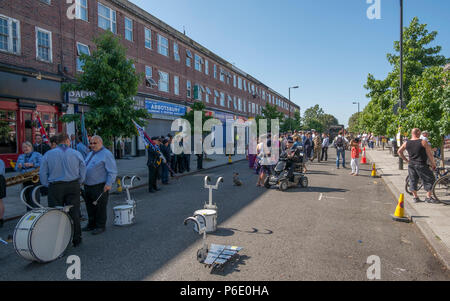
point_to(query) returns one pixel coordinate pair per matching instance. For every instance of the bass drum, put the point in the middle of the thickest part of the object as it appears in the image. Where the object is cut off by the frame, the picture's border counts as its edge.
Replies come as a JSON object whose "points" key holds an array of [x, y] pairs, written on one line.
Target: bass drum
{"points": [[43, 235]]}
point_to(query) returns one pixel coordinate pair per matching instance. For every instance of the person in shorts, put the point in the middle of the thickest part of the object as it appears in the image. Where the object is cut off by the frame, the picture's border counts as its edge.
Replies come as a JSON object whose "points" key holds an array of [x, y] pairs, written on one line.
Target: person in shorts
{"points": [[419, 151]]}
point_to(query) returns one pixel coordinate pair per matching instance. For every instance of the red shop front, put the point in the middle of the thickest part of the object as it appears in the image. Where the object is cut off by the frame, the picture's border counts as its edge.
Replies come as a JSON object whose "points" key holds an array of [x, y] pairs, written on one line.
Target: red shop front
{"points": [[18, 123]]}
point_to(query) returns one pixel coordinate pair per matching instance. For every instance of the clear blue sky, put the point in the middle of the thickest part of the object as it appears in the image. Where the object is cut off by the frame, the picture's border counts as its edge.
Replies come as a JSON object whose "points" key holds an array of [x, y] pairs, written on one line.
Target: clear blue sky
{"points": [[328, 47]]}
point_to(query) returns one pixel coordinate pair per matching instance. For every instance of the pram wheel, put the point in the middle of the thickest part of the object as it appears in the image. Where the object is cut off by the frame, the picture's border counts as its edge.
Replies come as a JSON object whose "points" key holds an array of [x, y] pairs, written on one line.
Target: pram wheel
{"points": [[284, 185], [304, 182], [266, 182]]}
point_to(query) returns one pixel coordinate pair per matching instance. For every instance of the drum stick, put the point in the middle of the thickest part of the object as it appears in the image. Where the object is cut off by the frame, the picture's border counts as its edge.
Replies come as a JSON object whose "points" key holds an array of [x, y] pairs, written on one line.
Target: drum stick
{"points": [[2, 241], [96, 202]]}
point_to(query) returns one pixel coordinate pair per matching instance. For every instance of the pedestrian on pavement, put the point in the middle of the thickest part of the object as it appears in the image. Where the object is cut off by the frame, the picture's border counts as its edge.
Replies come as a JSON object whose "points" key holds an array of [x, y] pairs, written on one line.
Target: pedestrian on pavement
{"points": [[354, 144], [28, 162], [340, 143], [317, 146], [165, 150], [173, 161], [101, 173], [263, 150], [2, 191], [39, 146], [153, 163], [63, 170], [419, 151], [325, 145], [83, 149]]}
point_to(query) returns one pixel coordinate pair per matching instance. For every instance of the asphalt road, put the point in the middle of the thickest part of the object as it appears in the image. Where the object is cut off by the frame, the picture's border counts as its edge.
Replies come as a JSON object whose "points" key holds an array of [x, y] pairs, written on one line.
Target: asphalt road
{"points": [[324, 232]]}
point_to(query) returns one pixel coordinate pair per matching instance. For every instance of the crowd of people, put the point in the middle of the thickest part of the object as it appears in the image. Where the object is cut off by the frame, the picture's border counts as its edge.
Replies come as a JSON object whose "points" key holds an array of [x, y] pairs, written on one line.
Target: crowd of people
{"points": [[315, 146], [68, 169], [160, 167]]}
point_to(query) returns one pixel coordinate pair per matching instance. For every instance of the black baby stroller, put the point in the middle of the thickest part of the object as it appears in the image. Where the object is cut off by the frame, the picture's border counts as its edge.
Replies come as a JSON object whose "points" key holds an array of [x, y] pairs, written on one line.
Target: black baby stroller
{"points": [[280, 174]]}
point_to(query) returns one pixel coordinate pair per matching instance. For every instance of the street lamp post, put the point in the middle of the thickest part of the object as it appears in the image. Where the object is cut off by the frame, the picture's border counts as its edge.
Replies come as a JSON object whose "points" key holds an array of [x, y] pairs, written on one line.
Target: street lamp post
{"points": [[357, 102], [290, 124], [400, 160]]}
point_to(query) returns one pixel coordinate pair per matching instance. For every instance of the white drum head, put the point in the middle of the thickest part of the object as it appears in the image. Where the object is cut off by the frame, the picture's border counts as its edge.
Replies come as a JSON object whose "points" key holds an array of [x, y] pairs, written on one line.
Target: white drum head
{"points": [[123, 207], [205, 212], [51, 235]]}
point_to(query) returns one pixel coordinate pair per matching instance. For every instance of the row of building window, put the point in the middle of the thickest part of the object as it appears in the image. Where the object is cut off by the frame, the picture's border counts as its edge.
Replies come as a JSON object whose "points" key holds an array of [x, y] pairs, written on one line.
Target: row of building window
{"points": [[10, 42]]}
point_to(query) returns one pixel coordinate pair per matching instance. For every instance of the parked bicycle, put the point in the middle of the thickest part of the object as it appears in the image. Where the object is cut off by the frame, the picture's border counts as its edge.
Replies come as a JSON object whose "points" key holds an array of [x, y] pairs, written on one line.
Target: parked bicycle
{"points": [[441, 188], [438, 173]]}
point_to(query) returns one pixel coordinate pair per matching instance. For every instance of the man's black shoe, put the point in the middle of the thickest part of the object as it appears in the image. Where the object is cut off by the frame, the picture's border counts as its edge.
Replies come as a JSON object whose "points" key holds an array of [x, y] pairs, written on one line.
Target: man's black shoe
{"points": [[87, 229], [151, 191], [417, 200], [76, 243], [98, 231], [431, 201], [1, 222]]}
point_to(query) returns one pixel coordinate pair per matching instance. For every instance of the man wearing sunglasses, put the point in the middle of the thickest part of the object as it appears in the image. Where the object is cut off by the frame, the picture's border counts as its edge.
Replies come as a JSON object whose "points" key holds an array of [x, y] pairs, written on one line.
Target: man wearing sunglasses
{"points": [[101, 173]]}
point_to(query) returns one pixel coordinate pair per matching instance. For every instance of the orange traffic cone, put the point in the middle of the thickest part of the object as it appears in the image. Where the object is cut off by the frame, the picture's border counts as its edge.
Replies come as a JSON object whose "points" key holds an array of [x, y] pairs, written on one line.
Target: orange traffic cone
{"points": [[399, 214], [363, 158]]}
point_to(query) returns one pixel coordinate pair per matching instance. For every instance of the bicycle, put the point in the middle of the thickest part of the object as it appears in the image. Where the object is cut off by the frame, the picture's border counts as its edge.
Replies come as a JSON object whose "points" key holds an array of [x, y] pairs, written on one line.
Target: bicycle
{"points": [[438, 173], [441, 188]]}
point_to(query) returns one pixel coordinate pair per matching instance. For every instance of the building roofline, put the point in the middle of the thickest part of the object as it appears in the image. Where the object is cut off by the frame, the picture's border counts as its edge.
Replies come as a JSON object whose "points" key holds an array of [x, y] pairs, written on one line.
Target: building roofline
{"points": [[136, 10]]}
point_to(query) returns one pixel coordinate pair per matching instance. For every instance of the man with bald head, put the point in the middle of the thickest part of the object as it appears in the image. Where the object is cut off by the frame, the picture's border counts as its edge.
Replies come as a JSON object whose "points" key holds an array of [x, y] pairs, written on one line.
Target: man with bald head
{"points": [[419, 151], [101, 173]]}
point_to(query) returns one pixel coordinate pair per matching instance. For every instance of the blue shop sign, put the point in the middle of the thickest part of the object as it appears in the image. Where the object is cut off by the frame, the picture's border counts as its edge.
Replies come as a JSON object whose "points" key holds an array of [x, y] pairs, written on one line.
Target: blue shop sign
{"points": [[164, 108]]}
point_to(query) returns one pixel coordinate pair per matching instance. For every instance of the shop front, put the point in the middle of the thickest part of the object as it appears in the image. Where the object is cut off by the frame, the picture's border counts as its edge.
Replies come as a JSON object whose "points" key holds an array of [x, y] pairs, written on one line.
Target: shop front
{"points": [[163, 115], [22, 100]]}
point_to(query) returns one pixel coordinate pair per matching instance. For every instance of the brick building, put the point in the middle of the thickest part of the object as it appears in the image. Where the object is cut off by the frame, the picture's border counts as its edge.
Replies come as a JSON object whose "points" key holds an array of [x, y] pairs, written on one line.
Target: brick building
{"points": [[40, 41]]}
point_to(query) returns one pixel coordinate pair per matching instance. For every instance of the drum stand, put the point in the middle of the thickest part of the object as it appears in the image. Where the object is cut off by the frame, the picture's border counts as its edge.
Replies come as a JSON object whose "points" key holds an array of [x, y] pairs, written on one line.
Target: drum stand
{"points": [[129, 200], [210, 205]]}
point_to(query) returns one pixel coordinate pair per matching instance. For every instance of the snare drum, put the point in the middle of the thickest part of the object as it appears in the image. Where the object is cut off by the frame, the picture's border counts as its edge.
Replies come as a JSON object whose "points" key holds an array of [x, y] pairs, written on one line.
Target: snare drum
{"points": [[210, 217], [124, 215], [43, 235]]}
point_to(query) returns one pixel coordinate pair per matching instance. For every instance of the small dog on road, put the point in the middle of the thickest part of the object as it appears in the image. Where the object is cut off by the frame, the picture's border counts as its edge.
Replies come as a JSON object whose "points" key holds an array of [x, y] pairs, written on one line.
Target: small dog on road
{"points": [[236, 180]]}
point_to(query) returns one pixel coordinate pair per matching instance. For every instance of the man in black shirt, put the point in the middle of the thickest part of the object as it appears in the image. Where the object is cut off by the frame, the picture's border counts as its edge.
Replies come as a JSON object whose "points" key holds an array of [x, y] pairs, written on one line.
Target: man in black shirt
{"points": [[39, 146], [419, 151], [153, 163]]}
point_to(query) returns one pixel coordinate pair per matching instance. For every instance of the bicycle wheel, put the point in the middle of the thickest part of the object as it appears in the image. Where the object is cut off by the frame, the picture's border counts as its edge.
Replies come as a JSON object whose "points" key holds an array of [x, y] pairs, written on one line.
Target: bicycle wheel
{"points": [[441, 190], [419, 185]]}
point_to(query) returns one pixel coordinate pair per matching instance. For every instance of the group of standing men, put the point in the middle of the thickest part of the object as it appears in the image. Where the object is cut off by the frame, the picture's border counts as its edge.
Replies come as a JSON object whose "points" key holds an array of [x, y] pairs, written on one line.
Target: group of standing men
{"points": [[64, 168], [161, 161]]}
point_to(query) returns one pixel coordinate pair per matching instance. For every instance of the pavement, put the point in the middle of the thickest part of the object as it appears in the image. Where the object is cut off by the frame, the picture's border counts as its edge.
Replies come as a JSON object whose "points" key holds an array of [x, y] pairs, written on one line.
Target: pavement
{"points": [[433, 220], [14, 208], [324, 232]]}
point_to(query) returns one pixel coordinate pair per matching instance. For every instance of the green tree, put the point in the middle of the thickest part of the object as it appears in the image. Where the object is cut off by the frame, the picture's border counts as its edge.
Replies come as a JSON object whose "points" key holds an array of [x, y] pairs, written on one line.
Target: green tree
{"points": [[269, 112], [189, 116], [353, 123], [380, 115], [429, 108], [292, 124], [312, 118], [112, 77]]}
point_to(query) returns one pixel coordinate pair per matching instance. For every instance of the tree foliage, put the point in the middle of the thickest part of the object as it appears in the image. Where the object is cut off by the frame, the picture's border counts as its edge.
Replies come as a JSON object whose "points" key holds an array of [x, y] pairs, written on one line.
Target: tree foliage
{"points": [[382, 115], [315, 118], [189, 116], [112, 77]]}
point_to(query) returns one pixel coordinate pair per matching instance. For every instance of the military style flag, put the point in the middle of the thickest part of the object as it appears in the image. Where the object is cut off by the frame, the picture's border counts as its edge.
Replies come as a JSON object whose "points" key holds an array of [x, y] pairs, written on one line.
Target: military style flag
{"points": [[147, 141], [42, 131]]}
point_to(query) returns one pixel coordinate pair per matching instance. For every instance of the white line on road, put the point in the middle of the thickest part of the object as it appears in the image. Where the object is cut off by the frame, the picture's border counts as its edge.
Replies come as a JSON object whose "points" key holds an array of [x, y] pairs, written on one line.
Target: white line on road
{"points": [[320, 197]]}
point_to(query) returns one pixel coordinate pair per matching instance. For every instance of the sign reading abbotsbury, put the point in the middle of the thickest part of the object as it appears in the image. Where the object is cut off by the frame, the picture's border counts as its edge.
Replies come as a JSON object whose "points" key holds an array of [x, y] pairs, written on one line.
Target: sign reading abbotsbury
{"points": [[164, 108]]}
